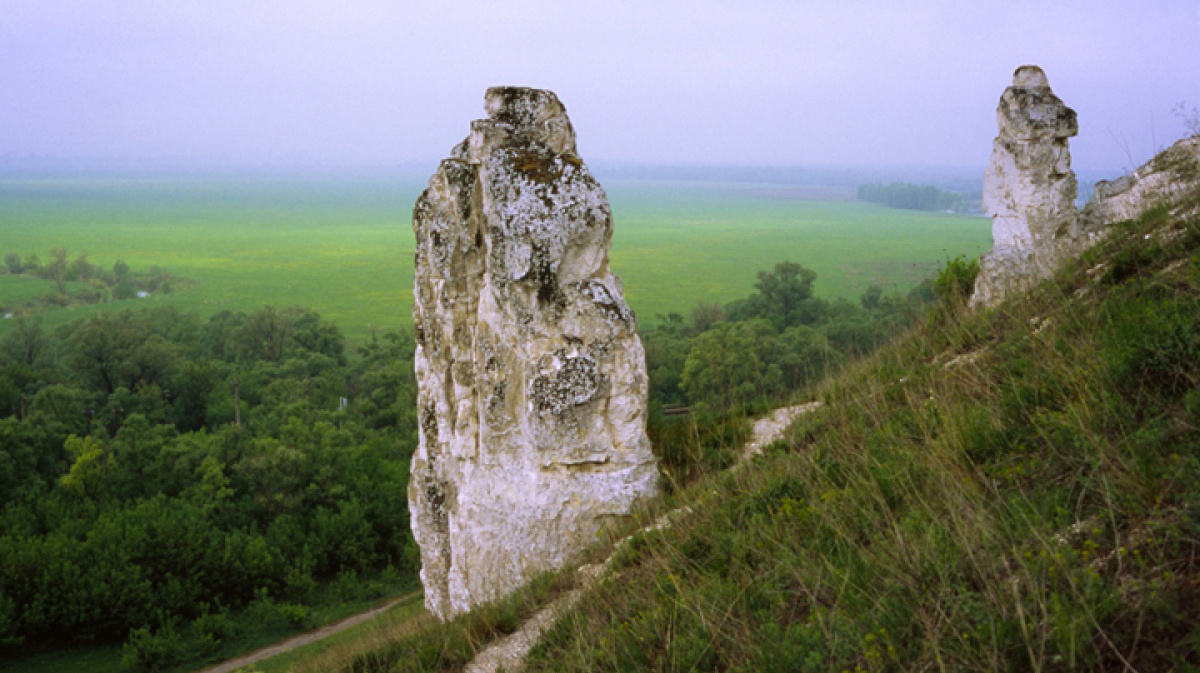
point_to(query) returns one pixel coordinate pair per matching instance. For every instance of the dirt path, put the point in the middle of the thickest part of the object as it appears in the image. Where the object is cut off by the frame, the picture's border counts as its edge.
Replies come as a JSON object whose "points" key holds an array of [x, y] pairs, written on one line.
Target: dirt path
{"points": [[768, 429], [305, 638], [508, 653]]}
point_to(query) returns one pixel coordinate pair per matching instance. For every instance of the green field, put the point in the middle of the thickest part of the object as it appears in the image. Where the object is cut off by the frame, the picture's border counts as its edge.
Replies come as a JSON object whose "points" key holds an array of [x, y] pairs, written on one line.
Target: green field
{"points": [[345, 246]]}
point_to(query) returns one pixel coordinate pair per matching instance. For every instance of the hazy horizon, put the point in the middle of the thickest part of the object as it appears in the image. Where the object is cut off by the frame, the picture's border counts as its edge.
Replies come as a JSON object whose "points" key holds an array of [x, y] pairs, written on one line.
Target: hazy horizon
{"points": [[307, 85]]}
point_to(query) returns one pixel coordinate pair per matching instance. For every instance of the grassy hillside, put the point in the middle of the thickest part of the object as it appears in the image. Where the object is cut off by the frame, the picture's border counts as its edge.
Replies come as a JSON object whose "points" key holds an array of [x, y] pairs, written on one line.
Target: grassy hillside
{"points": [[1012, 489], [345, 247]]}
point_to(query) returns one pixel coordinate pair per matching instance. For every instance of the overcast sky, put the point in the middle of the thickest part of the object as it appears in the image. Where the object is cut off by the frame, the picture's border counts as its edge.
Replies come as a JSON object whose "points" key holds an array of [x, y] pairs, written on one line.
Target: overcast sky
{"points": [[375, 82]]}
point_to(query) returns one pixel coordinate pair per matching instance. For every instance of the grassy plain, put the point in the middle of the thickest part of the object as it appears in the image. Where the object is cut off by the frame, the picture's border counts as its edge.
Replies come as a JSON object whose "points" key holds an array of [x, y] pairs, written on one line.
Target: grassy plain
{"points": [[344, 246]]}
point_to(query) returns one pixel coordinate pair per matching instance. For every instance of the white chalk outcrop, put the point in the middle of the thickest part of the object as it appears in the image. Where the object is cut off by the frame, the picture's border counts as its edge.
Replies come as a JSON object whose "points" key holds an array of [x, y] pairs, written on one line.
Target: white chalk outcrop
{"points": [[1165, 180], [532, 404], [1030, 189]]}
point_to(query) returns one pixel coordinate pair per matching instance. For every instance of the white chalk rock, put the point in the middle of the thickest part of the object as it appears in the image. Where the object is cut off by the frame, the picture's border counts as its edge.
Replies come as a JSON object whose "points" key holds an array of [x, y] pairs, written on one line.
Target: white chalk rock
{"points": [[1164, 180], [532, 404], [1029, 188]]}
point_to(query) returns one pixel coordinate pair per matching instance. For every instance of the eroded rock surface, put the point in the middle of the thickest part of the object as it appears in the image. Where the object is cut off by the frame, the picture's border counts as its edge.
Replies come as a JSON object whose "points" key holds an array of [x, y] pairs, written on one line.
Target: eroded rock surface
{"points": [[1029, 188], [1164, 180], [532, 404]]}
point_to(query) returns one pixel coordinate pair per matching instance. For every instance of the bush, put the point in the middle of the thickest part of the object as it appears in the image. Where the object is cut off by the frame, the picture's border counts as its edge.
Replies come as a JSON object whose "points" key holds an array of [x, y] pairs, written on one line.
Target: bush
{"points": [[213, 628], [55, 298], [148, 650], [268, 613], [956, 279]]}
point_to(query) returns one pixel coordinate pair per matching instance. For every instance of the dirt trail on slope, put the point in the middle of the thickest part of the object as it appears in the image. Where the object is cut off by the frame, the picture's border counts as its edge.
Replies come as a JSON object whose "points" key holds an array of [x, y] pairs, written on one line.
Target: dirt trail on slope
{"points": [[303, 639], [508, 653], [769, 429]]}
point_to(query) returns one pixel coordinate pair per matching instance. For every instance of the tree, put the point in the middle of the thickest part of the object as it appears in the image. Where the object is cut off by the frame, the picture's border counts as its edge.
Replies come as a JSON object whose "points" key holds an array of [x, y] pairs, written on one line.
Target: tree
{"points": [[12, 261], [910, 196], [666, 353], [123, 290], [785, 297], [705, 315], [86, 477], [100, 349], [264, 334], [56, 270], [80, 269], [26, 343], [805, 355], [871, 296], [732, 364]]}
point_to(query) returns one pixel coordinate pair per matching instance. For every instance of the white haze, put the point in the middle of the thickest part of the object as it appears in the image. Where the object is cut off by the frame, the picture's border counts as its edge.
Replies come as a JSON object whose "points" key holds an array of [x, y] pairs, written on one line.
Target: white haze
{"points": [[379, 83]]}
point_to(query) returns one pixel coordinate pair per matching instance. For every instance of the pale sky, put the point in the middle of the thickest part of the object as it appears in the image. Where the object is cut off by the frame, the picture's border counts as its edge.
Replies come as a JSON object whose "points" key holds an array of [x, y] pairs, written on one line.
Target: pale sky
{"points": [[782, 82]]}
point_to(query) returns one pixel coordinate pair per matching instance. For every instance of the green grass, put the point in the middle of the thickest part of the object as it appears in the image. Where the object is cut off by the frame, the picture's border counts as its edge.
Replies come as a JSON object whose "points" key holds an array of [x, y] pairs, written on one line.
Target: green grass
{"points": [[19, 289], [341, 247], [677, 244], [345, 247], [1034, 506], [107, 659], [1007, 489], [403, 614]]}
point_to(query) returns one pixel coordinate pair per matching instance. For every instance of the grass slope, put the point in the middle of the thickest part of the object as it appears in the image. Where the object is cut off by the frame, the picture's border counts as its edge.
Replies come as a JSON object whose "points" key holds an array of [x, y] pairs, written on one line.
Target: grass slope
{"points": [[345, 247], [1010, 489]]}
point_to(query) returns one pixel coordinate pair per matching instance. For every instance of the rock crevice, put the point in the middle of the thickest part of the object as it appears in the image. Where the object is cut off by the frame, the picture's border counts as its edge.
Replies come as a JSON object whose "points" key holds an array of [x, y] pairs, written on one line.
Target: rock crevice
{"points": [[532, 379]]}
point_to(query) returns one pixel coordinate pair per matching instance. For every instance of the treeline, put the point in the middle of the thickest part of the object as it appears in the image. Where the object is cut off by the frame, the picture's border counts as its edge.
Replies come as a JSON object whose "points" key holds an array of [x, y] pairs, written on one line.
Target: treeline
{"points": [[725, 362], [78, 281], [912, 197], [161, 474]]}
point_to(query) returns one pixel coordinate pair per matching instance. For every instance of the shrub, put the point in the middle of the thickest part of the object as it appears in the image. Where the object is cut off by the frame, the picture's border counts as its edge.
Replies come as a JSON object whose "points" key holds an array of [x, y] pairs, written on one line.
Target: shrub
{"points": [[213, 628], [956, 279], [148, 650]]}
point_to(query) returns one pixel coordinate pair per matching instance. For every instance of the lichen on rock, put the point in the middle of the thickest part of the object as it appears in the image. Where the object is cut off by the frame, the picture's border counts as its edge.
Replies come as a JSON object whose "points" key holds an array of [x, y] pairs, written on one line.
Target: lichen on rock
{"points": [[532, 380]]}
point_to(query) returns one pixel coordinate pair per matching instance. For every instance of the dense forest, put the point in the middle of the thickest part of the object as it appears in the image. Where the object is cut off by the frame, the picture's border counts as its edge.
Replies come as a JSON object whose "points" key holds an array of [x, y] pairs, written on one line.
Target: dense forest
{"points": [[162, 476], [159, 470], [912, 197]]}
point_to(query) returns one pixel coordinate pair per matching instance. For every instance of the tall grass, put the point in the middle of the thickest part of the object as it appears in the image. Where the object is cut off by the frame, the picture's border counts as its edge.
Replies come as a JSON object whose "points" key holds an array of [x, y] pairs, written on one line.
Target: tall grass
{"points": [[1010, 490]]}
